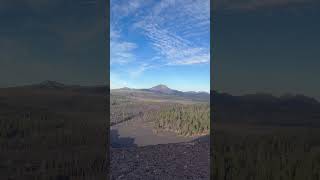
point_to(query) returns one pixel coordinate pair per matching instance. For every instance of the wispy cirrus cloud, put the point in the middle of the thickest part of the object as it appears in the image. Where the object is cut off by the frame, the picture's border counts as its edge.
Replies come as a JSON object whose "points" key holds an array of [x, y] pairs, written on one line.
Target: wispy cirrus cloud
{"points": [[121, 51], [137, 71], [171, 26], [116, 81], [148, 36], [125, 7]]}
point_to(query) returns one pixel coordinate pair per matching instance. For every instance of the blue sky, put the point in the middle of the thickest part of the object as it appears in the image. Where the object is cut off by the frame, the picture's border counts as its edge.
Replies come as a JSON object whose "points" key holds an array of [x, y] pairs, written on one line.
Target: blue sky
{"points": [[160, 42]]}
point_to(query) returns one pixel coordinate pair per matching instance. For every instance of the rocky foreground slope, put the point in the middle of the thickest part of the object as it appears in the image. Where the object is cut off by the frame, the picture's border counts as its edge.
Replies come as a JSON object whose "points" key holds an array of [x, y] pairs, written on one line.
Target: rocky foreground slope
{"points": [[179, 161]]}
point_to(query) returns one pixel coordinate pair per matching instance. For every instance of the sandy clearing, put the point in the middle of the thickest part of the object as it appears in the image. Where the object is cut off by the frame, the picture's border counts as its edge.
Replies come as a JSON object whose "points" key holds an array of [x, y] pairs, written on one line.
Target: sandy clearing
{"points": [[142, 133]]}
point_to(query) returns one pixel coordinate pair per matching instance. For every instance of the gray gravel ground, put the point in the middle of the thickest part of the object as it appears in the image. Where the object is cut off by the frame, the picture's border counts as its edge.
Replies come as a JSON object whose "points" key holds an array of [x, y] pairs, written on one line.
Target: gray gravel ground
{"points": [[177, 161]]}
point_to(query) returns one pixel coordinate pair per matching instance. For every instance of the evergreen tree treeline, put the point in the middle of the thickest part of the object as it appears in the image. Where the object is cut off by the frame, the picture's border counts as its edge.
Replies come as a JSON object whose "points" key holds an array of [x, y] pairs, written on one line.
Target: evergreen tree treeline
{"points": [[187, 120]]}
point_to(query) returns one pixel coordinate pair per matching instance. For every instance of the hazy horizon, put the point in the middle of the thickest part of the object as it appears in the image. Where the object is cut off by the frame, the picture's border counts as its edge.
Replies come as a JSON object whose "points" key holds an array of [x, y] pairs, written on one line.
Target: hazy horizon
{"points": [[220, 91], [157, 85]]}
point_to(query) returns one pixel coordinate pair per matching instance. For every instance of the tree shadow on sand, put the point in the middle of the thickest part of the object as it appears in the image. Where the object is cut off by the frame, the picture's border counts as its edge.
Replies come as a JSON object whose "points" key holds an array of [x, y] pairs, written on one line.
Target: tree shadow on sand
{"points": [[120, 142]]}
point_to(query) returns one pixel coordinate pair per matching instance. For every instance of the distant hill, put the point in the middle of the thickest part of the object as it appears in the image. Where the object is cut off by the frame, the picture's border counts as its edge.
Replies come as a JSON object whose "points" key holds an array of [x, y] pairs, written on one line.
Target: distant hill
{"points": [[54, 86], [162, 91], [165, 90], [50, 85], [293, 110], [125, 88], [264, 98]]}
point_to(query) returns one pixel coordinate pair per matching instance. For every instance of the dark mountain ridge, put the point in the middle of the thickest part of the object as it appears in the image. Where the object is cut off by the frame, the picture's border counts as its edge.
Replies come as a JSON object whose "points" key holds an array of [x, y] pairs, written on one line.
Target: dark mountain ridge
{"points": [[54, 86], [266, 109], [264, 98]]}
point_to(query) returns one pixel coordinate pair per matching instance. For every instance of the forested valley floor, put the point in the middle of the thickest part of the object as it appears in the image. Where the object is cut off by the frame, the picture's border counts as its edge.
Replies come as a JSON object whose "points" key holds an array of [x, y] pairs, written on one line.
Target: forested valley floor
{"points": [[159, 138], [262, 137], [53, 132]]}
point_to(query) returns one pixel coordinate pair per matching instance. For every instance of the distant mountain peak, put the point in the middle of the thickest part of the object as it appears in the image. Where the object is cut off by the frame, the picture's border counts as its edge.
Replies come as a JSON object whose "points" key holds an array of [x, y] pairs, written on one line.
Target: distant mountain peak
{"points": [[162, 89], [160, 86]]}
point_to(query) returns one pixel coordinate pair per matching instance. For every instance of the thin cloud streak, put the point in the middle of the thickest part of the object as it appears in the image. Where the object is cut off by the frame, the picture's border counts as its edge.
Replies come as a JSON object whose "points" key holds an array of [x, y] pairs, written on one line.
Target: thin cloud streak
{"points": [[148, 36], [175, 48], [121, 51], [116, 81]]}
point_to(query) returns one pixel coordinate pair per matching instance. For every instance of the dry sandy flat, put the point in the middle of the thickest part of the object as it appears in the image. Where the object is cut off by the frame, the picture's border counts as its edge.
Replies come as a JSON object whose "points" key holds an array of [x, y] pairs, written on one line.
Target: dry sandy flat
{"points": [[142, 134]]}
